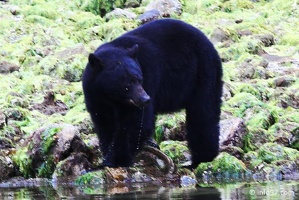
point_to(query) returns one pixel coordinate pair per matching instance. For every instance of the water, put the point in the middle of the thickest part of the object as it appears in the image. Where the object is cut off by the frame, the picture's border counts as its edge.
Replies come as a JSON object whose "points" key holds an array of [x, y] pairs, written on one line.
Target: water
{"points": [[286, 190]]}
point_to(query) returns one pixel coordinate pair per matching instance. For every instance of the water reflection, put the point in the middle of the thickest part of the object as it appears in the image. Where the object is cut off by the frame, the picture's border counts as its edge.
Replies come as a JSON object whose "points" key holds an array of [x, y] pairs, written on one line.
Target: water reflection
{"points": [[287, 190]]}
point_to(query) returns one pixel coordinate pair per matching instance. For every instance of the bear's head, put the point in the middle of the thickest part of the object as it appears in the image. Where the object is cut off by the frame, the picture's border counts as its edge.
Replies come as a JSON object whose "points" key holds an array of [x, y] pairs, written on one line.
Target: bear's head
{"points": [[117, 76]]}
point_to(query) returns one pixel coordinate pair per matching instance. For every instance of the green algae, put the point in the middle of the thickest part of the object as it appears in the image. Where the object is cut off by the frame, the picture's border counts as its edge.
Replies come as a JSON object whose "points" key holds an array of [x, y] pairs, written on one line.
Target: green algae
{"points": [[172, 124], [223, 163], [271, 152], [22, 159], [39, 30], [91, 178], [176, 150], [48, 138]]}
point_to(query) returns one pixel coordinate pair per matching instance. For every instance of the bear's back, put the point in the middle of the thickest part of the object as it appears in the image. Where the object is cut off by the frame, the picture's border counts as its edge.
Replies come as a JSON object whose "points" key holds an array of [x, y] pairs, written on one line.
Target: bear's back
{"points": [[165, 30]]}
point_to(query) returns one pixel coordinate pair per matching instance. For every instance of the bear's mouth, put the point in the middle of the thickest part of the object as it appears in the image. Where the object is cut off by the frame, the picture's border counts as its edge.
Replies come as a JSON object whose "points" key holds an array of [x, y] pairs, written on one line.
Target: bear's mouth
{"points": [[133, 103], [139, 103]]}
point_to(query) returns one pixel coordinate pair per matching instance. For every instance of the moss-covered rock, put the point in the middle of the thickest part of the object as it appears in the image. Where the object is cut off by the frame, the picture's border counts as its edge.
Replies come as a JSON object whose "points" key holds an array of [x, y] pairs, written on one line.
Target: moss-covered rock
{"points": [[177, 151], [91, 178], [271, 152], [224, 163], [46, 147]]}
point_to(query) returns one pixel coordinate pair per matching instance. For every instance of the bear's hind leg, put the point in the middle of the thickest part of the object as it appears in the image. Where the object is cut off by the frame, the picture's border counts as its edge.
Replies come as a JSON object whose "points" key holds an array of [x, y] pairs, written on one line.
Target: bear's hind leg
{"points": [[202, 122]]}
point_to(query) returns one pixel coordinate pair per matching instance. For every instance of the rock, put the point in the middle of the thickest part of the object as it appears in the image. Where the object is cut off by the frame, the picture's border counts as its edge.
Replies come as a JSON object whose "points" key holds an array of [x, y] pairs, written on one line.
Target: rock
{"points": [[283, 81], [272, 152], [3, 120], [187, 181], [287, 97], [165, 7], [50, 105], [48, 146], [259, 117], [232, 132], [67, 64], [132, 3], [280, 66], [150, 165], [149, 15], [120, 13], [232, 150], [227, 92], [224, 164], [7, 168], [17, 100], [6, 67], [267, 39], [177, 151], [219, 35], [74, 165]]}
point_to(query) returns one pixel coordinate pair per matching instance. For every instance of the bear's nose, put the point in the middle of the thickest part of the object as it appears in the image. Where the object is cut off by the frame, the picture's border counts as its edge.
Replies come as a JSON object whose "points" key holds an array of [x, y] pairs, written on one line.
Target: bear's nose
{"points": [[145, 99]]}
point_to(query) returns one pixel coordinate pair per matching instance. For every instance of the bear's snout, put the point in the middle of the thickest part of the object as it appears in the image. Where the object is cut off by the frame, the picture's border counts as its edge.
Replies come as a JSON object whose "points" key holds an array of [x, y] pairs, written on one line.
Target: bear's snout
{"points": [[145, 99], [140, 97]]}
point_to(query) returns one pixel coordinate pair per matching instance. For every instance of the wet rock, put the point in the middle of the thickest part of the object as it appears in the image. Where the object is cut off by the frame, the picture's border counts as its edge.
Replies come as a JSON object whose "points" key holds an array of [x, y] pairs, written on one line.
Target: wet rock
{"points": [[177, 151], [232, 132], [7, 168], [187, 181], [7, 67], [46, 147], [149, 15], [170, 127], [51, 106], [232, 150], [74, 165], [21, 182], [150, 165], [165, 7], [271, 152], [224, 164], [273, 162]]}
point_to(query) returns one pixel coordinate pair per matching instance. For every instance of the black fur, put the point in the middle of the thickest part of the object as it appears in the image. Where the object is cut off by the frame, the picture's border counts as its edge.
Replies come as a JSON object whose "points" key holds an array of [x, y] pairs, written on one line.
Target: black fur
{"points": [[160, 67]]}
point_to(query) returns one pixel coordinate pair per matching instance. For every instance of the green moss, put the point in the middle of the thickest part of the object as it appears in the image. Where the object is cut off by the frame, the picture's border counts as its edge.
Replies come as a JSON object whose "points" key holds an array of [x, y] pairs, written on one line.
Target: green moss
{"points": [[48, 138], [240, 102], [22, 159], [47, 168], [271, 152], [101, 7], [223, 163], [252, 160], [176, 150], [171, 122], [46, 10], [91, 178]]}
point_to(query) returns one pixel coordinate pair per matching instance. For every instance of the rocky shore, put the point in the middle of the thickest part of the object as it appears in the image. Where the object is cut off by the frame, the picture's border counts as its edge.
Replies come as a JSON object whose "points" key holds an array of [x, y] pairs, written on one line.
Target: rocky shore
{"points": [[46, 132]]}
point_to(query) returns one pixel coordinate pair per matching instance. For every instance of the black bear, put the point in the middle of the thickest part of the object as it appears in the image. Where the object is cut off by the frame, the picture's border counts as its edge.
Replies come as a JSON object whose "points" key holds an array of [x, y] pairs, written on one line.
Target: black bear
{"points": [[160, 67]]}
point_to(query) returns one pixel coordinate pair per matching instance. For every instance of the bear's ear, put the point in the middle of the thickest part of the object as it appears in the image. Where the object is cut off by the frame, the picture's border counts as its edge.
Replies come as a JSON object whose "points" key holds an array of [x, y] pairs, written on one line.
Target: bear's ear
{"points": [[133, 51], [95, 62]]}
